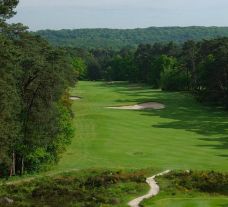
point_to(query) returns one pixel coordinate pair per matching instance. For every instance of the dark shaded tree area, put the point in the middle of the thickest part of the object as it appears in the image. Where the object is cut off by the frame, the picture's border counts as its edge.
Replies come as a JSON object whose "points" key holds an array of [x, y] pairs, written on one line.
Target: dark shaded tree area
{"points": [[35, 115]]}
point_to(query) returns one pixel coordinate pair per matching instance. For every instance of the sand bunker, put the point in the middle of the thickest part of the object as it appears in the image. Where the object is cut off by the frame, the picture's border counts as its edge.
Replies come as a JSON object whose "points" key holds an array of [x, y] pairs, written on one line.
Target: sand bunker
{"points": [[74, 98], [149, 105]]}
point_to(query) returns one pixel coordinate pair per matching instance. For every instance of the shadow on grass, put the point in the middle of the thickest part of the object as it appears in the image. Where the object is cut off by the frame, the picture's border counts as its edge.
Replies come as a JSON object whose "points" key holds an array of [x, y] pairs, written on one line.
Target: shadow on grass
{"points": [[224, 205], [226, 156], [186, 114], [222, 143], [139, 93], [182, 111]]}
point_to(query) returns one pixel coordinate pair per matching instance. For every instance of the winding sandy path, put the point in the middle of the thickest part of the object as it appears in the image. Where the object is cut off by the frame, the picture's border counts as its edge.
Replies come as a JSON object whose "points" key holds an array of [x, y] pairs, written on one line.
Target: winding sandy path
{"points": [[154, 190]]}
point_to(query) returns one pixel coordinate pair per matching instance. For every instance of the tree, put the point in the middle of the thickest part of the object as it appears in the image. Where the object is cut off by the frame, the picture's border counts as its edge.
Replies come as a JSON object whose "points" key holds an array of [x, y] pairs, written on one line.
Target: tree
{"points": [[45, 75], [7, 9], [212, 73], [172, 76], [144, 62], [33, 79], [10, 103], [94, 69], [190, 51], [80, 67]]}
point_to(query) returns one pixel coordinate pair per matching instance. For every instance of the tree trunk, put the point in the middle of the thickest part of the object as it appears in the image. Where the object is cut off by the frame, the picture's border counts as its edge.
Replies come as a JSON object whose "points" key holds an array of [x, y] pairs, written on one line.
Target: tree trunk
{"points": [[22, 165], [13, 164], [194, 73], [188, 79]]}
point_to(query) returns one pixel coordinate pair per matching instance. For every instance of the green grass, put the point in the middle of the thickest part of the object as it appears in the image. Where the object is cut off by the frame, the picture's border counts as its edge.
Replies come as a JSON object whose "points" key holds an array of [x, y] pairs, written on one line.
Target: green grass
{"points": [[185, 135]]}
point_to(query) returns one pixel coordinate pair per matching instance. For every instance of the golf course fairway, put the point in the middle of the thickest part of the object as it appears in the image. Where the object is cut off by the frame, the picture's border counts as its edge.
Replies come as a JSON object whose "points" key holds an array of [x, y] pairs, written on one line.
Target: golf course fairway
{"points": [[183, 135]]}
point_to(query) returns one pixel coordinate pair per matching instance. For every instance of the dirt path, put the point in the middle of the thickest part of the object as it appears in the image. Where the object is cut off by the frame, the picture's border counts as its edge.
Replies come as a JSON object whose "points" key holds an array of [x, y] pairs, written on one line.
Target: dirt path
{"points": [[154, 190]]}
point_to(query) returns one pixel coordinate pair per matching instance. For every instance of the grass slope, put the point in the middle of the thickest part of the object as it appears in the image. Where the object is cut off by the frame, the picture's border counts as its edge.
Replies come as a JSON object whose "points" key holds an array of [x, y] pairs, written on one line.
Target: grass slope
{"points": [[185, 135]]}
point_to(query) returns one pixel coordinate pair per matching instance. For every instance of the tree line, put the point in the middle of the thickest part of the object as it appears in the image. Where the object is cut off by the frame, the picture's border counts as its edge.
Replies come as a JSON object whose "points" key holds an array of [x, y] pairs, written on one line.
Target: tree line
{"points": [[199, 67], [118, 38], [35, 115]]}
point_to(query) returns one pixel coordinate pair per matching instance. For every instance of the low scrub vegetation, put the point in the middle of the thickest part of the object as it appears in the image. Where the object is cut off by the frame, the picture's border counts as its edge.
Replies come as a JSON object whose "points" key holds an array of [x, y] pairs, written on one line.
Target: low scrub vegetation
{"points": [[81, 189], [191, 189], [209, 182], [114, 188]]}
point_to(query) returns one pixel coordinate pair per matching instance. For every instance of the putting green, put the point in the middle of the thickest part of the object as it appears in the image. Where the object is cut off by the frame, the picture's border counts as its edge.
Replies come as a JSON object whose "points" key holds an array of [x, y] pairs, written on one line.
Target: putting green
{"points": [[184, 135]]}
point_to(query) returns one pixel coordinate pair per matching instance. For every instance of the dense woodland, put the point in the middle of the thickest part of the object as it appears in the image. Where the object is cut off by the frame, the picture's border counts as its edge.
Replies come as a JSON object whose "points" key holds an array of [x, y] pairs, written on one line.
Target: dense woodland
{"points": [[35, 116], [117, 38], [198, 67]]}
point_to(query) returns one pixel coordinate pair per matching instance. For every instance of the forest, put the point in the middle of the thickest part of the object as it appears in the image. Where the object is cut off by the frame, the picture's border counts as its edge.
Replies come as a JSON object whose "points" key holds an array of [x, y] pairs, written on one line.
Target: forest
{"points": [[118, 38], [35, 114]]}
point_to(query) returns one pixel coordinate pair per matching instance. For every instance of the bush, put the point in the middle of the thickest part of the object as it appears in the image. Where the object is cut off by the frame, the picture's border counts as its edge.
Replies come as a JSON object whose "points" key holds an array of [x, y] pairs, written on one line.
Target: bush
{"points": [[210, 182]]}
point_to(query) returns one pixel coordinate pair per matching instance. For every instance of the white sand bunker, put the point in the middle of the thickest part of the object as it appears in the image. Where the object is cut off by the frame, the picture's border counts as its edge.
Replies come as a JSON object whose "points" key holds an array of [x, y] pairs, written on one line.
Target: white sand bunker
{"points": [[149, 105], [74, 98]]}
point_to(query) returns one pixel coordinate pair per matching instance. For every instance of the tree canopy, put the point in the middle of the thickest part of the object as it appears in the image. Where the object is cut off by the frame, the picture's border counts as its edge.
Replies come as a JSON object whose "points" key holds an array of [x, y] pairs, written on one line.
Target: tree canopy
{"points": [[35, 115], [118, 38]]}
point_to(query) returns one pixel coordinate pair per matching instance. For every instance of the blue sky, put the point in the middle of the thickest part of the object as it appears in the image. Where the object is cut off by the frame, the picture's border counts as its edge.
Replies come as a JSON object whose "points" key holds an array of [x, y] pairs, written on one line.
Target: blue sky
{"points": [[70, 14]]}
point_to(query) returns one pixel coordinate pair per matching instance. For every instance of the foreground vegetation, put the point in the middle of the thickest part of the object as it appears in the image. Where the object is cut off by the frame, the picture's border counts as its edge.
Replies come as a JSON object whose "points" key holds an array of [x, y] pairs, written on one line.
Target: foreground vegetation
{"points": [[184, 135], [116, 188], [191, 189], [82, 189]]}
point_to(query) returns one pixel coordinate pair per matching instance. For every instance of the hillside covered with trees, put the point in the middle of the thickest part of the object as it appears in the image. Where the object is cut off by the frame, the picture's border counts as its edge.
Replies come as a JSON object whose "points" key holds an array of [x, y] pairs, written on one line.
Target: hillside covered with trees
{"points": [[118, 38]]}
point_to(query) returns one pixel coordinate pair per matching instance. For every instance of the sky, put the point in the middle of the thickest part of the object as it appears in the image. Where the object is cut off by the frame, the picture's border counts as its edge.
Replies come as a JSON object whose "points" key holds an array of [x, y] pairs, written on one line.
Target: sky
{"points": [[122, 14]]}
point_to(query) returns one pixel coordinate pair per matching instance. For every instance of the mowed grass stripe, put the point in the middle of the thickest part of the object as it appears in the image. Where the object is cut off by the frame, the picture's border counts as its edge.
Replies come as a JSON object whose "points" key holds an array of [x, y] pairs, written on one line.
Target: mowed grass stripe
{"points": [[184, 135]]}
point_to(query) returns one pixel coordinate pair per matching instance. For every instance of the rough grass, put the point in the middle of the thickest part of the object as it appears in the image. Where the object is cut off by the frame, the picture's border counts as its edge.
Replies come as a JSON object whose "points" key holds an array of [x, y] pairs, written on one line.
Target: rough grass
{"points": [[184, 135]]}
